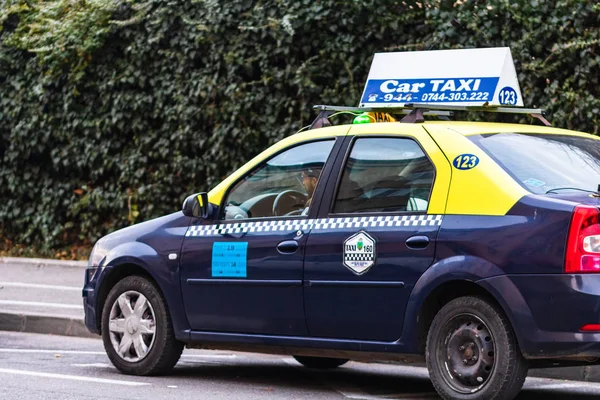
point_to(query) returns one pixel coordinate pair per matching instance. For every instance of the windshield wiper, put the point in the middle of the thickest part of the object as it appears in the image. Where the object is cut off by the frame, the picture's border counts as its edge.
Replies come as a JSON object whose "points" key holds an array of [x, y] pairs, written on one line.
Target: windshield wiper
{"points": [[571, 188]]}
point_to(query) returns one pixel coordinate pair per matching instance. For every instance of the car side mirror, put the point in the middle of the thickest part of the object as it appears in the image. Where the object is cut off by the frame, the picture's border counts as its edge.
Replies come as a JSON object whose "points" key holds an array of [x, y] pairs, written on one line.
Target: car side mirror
{"points": [[196, 206]]}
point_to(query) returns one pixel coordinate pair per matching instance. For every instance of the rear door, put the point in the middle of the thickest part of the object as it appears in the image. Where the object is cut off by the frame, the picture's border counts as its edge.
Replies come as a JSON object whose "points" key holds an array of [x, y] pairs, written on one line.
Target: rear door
{"points": [[375, 234]]}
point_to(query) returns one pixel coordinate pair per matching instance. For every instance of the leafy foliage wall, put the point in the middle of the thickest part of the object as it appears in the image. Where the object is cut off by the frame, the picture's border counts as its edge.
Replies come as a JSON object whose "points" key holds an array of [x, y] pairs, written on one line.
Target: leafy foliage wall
{"points": [[112, 111]]}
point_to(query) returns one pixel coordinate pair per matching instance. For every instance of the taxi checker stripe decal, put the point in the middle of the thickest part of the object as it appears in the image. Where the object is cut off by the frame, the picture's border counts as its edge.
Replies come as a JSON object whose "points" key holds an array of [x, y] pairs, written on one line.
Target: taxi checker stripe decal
{"points": [[315, 224]]}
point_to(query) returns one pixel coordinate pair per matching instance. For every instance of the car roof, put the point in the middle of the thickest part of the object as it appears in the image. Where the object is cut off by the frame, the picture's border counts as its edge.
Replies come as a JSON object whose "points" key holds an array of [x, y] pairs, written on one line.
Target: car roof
{"points": [[466, 128], [479, 128]]}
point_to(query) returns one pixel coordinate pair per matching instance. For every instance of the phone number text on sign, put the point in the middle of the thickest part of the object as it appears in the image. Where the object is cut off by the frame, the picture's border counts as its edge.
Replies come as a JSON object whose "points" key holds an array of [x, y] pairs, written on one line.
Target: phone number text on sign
{"points": [[430, 90], [471, 96], [431, 97]]}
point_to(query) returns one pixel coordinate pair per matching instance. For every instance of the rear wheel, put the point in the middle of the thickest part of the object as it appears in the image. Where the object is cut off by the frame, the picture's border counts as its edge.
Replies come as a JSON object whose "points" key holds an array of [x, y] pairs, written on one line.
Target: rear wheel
{"points": [[136, 329], [472, 352], [320, 362]]}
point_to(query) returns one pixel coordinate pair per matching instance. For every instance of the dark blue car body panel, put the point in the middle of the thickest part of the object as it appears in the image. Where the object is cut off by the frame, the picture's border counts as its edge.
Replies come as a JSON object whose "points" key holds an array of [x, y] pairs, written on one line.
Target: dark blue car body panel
{"points": [[272, 287], [341, 304], [147, 246], [518, 259], [547, 312]]}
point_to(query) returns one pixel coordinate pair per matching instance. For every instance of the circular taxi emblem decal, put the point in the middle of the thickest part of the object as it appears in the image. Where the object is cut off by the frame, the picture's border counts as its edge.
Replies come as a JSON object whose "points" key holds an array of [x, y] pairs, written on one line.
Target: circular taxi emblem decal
{"points": [[508, 95], [359, 252]]}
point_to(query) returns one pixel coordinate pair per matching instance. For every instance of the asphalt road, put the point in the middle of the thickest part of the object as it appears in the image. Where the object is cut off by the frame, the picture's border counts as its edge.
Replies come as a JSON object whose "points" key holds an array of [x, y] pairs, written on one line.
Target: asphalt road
{"points": [[34, 366]]}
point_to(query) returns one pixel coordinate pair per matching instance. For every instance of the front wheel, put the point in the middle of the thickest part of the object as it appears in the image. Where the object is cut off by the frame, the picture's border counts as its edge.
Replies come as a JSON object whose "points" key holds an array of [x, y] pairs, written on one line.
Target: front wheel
{"points": [[472, 352], [136, 329], [320, 362]]}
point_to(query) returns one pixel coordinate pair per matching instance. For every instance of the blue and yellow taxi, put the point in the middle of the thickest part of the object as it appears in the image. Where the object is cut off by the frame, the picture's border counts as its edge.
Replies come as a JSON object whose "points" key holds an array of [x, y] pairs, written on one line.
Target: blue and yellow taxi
{"points": [[474, 247]]}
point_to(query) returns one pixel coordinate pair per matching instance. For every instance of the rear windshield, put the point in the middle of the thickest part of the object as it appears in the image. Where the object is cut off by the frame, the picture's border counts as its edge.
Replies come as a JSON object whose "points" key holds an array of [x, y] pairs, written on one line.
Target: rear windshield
{"points": [[546, 163]]}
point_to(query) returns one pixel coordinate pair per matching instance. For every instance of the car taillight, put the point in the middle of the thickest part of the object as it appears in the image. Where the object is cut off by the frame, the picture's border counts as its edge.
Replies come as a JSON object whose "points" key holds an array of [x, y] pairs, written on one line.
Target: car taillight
{"points": [[590, 328], [583, 244]]}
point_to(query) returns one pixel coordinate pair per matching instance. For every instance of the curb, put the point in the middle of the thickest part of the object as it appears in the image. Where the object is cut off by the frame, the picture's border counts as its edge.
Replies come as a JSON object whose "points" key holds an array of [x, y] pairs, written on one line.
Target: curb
{"points": [[47, 324], [587, 373], [41, 262]]}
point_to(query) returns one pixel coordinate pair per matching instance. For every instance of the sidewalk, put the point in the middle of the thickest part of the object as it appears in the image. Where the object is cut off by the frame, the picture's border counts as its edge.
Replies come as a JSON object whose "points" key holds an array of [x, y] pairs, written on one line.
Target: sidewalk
{"points": [[44, 296]]}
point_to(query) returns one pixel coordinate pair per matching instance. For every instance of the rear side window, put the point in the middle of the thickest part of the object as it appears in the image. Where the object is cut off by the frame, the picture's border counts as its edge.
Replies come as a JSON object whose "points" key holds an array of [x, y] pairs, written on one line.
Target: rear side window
{"points": [[546, 163], [385, 175]]}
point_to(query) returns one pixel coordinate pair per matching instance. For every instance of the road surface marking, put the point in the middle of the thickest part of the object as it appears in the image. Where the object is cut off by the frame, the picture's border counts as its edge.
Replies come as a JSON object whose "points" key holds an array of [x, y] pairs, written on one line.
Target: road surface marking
{"points": [[93, 365], [84, 352], [71, 377], [51, 351], [39, 304], [210, 355], [554, 386], [40, 286], [350, 391], [292, 362]]}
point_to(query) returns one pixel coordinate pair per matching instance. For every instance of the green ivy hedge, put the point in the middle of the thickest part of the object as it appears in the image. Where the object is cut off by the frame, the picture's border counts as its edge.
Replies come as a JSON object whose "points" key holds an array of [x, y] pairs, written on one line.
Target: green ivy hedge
{"points": [[112, 111]]}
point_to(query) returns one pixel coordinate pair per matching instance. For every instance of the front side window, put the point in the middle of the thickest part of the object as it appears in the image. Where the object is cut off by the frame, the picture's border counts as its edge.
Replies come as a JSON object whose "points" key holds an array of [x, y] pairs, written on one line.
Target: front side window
{"points": [[546, 163], [283, 186], [385, 175]]}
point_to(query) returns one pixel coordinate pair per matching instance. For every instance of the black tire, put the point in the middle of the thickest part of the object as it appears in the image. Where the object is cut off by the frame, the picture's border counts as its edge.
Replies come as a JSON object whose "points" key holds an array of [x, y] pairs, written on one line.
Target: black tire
{"points": [[320, 362], [472, 352], [163, 350]]}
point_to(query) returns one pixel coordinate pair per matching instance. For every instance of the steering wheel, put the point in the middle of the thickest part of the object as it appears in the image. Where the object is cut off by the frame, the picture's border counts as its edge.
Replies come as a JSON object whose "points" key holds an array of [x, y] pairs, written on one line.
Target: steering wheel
{"points": [[288, 202]]}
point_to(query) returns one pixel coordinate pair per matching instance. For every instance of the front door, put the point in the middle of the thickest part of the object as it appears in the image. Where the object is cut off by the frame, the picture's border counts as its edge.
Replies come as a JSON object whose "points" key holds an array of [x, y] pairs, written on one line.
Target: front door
{"points": [[374, 239], [243, 272]]}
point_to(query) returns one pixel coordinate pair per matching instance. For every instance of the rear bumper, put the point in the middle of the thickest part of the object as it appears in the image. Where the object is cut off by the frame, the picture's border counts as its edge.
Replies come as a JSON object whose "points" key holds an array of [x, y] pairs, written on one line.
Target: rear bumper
{"points": [[547, 312]]}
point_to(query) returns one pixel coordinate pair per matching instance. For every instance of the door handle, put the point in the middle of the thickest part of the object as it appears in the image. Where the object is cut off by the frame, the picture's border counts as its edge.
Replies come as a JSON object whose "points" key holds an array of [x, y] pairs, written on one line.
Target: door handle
{"points": [[287, 247], [417, 242]]}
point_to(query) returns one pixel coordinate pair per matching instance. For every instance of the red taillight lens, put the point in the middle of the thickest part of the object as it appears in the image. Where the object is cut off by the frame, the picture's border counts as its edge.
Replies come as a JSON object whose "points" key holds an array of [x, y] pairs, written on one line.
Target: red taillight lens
{"points": [[583, 244], [590, 328]]}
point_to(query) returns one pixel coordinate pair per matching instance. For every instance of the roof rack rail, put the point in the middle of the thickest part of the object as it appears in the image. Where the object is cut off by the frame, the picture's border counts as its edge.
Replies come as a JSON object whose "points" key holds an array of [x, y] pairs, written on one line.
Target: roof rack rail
{"points": [[417, 111], [326, 111]]}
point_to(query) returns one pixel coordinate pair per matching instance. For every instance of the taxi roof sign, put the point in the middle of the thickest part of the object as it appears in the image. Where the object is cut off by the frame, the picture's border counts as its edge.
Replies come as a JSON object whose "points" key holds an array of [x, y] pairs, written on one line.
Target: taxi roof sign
{"points": [[465, 77]]}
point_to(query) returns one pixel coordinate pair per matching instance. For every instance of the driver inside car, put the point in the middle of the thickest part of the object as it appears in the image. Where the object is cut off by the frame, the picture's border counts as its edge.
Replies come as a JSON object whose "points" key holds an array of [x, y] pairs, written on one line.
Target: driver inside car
{"points": [[290, 198], [309, 179]]}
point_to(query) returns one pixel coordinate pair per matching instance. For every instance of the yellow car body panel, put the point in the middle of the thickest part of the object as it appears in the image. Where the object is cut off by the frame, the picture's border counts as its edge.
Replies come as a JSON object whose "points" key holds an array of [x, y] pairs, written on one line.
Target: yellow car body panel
{"points": [[483, 190], [486, 189]]}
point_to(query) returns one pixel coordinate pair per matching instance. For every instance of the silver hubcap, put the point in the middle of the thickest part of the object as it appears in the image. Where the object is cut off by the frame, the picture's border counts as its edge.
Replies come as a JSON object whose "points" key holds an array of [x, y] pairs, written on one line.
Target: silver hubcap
{"points": [[132, 326]]}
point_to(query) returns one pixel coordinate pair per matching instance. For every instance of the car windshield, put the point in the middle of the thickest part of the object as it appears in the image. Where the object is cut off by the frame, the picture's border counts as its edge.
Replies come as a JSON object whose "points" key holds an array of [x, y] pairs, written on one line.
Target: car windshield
{"points": [[546, 163]]}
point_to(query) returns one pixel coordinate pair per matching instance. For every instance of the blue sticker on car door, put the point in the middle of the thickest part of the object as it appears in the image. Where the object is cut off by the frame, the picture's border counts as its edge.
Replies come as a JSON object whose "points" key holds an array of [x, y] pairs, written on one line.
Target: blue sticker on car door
{"points": [[229, 259]]}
